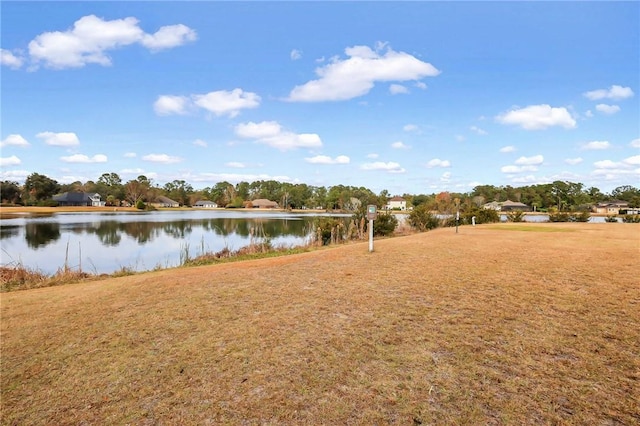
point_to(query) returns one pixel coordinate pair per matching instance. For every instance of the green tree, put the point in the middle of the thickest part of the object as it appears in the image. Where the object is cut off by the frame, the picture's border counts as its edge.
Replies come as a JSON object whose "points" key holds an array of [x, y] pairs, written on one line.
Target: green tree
{"points": [[9, 192], [39, 187]]}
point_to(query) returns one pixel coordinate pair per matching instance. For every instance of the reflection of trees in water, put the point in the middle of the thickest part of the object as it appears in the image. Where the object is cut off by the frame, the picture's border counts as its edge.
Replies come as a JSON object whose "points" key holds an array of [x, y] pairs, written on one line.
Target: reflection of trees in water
{"points": [[9, 231], [41, 234], [110, 232], [107, 233]]}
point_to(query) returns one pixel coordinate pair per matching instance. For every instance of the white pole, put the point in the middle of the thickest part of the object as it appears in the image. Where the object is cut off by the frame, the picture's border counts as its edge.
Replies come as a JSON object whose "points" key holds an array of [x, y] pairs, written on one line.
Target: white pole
{"points": [[370, 235]]}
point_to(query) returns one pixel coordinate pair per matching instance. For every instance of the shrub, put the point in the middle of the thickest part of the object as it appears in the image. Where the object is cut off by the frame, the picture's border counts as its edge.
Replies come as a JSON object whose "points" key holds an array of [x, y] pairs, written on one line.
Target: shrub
{"points": [[611, 219], [140, 205], [422, 219], [330, 230], [384, 224], [482, 216], [583, 216], [515, 216], [635, 218], [558, 217]]}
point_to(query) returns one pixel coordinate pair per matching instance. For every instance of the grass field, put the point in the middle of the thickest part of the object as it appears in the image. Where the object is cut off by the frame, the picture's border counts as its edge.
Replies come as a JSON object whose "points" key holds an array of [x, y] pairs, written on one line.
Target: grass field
{"points": [[496, 325]]}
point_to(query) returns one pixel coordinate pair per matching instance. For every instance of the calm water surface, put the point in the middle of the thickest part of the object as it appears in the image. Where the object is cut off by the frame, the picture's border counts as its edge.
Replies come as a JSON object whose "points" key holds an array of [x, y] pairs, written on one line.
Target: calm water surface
{"points": [[107, 242]]}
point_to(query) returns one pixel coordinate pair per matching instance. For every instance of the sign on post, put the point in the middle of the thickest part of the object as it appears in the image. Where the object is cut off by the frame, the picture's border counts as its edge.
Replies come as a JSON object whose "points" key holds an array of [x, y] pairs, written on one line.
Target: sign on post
{"points": [[372, 212]]}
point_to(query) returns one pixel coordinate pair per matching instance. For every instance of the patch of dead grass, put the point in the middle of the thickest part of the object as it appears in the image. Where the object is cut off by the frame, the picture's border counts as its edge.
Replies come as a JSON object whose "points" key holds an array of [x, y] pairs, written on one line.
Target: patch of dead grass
{"points": [[480, 327]]}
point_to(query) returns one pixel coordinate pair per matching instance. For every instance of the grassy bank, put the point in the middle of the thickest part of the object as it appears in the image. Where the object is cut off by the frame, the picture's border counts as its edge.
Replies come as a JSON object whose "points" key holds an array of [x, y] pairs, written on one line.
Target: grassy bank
{"points": [[489, 326]]}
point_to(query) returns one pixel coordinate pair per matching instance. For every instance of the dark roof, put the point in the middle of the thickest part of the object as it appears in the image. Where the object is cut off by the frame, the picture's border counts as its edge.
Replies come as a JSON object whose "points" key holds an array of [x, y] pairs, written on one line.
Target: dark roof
{"points": [[72, 197]]}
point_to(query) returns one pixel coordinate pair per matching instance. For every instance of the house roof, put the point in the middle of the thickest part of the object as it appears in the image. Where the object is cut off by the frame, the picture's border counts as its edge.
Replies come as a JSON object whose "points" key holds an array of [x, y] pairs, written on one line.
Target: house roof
{"points": [[204, 203], [165, 200], [613, 203], [73, 197], [510, 203], [397, 198], [263, 202]]}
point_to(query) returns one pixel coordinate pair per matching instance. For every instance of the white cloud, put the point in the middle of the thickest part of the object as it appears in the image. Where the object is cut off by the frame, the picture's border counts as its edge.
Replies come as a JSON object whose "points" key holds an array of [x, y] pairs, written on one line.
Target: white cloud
{"points": [[223, 102], [508, 148], [606, 164], [235, 177], [9, 161], [344, 79], [589, 114], [538, 117], [397, 89], [81, 158], [295, 54], [635, 143], [14, 140], [8, 59], [530, 161], [446, 177], [614, 92], [410, 128], [324, 159], [632, 161], [169, 36], [14, 175], [607, 109], [59, 139], [390, 167], [130, 155], [169, 104], [200, 142], [162, 158], [420, 85], [460, 138], [574, 161], [478, 130], [399, 145], [436, 162], [272, 134], [235, 164], [596, 145], [372, 156], [91, 37]]}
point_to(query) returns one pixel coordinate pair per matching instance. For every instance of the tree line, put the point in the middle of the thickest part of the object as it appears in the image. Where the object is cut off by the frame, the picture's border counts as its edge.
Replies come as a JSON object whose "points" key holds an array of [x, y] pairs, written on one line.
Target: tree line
{"points": [[39, 189]]}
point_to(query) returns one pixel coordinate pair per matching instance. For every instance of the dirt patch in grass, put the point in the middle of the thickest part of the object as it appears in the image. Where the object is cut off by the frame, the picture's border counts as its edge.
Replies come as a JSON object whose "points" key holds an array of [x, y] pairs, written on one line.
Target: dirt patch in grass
{"points": [[479, 327]]}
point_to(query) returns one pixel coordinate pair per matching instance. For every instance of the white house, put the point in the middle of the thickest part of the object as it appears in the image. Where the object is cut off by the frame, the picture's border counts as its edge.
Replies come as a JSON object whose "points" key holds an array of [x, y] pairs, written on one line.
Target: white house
{"points": [[396, 203], [206, 204]]}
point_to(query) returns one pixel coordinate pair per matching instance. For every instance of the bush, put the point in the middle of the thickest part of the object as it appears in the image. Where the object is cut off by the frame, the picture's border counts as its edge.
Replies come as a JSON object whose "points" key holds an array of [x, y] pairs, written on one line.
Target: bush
{"points": [[330, 230], [515, 216], [482, 216], [140, 205], [385, 224], [635, 218], [611, 219], [583, 216], [559, 217], [422, 219]]}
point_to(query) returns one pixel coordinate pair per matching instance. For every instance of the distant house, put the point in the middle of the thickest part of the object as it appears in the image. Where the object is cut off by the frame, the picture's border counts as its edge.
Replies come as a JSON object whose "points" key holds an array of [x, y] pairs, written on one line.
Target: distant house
{"points": [[206, 204], [611, 207], [494, 205], [79, 199], [397, 203], [510, 206], [163, 201], [507, 206], [263, 203]]}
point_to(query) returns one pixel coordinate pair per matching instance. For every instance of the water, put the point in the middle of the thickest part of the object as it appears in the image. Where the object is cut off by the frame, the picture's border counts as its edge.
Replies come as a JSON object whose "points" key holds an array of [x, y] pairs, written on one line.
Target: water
{"points": [[108, 242]]}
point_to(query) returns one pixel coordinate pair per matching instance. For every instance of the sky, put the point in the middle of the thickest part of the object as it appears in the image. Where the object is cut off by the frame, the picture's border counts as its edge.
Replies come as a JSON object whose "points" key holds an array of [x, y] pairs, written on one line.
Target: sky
{"points": [[408, 97]]}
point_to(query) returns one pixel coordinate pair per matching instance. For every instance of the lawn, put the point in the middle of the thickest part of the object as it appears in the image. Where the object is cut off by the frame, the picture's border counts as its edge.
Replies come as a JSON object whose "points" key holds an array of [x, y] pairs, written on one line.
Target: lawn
{"points": [[492, 325]]}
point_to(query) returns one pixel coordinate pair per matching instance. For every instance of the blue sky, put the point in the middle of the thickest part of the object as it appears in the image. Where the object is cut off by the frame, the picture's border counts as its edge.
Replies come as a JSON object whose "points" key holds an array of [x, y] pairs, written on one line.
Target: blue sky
{"points": [[411, 97]]}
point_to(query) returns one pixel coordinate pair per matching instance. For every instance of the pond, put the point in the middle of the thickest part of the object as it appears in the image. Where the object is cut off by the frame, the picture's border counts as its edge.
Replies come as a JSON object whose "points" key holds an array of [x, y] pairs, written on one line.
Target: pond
{"points": [[107, 242]]}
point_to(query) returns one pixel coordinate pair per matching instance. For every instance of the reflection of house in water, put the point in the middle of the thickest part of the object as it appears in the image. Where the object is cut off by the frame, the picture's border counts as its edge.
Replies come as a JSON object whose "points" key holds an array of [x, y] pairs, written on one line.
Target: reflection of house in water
{"points": [[79, 199]]}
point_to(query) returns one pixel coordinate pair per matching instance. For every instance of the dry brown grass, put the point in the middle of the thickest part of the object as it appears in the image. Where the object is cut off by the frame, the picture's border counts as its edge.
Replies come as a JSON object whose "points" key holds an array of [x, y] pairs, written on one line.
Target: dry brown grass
{"points": [[489, 326]]}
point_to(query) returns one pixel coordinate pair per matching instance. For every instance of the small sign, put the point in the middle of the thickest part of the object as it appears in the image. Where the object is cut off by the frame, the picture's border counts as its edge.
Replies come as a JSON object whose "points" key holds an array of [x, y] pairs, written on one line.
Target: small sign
{"points": [[372, 212]]}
